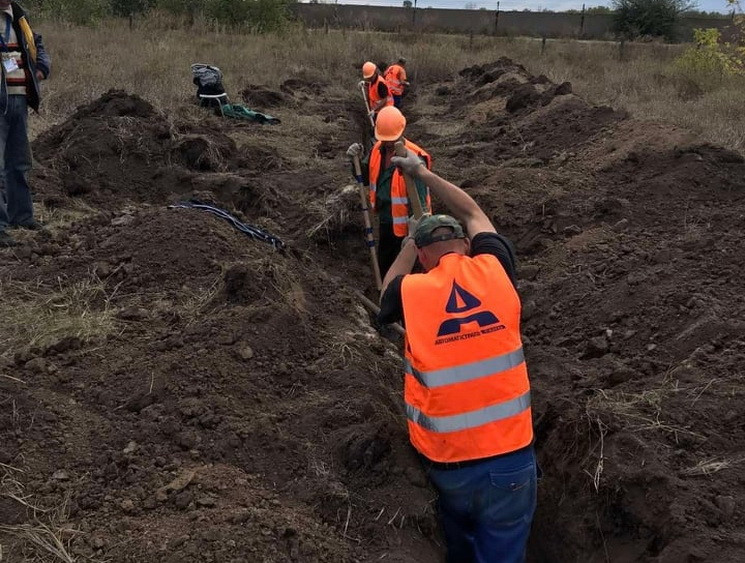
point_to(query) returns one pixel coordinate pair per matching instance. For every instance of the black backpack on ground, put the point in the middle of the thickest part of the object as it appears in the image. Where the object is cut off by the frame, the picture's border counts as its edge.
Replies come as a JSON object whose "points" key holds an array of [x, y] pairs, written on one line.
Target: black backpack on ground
{"points": [[208, 80]]}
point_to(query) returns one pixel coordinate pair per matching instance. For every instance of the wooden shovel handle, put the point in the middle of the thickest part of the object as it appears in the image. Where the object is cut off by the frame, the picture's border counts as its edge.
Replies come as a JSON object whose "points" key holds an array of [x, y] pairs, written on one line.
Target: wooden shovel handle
{"points": [[411, 191], [369, 237], [367, 106]]}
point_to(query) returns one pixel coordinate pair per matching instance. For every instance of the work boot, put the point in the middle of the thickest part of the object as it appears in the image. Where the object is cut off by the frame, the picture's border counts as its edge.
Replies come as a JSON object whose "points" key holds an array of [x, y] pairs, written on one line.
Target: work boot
{"points": [[6, 241], [32, 225]]}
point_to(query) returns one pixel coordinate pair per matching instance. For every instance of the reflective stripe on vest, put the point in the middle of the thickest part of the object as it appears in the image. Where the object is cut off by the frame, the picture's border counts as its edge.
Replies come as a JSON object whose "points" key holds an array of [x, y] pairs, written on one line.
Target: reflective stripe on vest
{"points": [[375, 97], [467, 372], [472, 419], [466, 385], [399, 198]]}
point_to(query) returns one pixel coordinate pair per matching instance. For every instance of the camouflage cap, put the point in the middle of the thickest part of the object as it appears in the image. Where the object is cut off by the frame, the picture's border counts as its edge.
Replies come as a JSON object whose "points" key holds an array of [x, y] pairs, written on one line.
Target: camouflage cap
{"points": [[429, 223]]}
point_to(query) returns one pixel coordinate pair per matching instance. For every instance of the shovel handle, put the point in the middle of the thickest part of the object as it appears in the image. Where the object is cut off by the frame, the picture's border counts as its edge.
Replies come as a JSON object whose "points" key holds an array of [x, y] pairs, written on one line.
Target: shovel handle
{"points": [[367, 105], [369, 237], [411, 191]]}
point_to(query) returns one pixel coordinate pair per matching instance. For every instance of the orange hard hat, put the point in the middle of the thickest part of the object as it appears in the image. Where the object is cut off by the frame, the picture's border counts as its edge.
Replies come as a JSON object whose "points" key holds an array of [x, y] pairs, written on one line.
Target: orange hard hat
{"points": [[369, 69], [390, 124]]}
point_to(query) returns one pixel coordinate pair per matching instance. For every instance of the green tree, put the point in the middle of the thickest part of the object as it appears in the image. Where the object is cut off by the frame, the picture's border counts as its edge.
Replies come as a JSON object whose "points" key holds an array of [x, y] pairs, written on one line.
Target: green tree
{"points": [[126, 8], [408, 3], [82, 12], [260, 15], [181, 7], [653, 18]]}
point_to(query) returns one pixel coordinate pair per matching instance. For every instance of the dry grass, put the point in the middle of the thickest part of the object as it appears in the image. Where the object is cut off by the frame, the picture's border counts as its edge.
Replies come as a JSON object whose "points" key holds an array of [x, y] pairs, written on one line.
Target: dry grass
{"points": [[38, 316], [63, 217], [46, 537], [637, 412], [156, 66], [710, 466], [193, 303], [336, 212]]}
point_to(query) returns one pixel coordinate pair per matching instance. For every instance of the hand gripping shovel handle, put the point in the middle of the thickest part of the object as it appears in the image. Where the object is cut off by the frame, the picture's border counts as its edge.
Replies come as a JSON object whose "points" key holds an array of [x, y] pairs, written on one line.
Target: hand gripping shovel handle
{"points": [[367, 105], [368, 224], [411, 191]]}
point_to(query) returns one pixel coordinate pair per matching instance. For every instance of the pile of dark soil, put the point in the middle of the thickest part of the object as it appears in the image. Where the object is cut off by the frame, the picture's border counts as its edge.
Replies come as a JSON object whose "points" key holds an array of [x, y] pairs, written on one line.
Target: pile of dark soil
{"points": [[242, 409], [261, 97], [118, 147]]}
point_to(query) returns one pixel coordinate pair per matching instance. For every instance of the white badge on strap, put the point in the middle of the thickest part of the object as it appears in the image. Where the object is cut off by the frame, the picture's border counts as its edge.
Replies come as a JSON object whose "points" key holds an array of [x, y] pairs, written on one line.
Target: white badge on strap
{"points": [[10, 64]]}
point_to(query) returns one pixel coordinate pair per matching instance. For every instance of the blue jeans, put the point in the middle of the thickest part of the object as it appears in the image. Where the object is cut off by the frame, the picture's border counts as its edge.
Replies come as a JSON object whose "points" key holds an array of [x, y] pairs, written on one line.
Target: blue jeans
{"points": [[486, 508], [16, 207]]}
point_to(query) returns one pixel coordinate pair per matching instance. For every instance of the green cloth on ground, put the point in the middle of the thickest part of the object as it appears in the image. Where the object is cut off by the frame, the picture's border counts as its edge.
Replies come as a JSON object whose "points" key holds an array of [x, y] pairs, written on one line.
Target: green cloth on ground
{"points": [[236, 111]]}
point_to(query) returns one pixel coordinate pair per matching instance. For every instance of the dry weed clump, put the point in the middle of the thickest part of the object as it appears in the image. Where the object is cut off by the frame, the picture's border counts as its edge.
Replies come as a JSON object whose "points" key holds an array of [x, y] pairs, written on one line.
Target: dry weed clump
{"points": [[38, 317], [638, 412], [337, 212], [45, 536]]}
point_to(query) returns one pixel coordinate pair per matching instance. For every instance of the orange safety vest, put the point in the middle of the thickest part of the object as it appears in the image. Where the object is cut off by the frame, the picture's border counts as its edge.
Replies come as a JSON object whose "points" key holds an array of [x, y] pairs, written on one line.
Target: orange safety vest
{"points": [[375, 98], [395, 76], [466, 384], [399, 197]]}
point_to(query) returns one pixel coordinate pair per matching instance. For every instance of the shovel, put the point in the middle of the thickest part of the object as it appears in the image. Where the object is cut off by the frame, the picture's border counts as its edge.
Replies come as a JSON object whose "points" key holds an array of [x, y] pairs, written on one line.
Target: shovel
{"points": [[367, 105], [368, 224], [411, 191]]}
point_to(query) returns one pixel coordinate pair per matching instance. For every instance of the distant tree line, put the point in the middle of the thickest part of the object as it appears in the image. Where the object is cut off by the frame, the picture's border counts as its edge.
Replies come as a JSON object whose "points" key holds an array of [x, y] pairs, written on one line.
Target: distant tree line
{"points": [[632, 18], [261, 15]]}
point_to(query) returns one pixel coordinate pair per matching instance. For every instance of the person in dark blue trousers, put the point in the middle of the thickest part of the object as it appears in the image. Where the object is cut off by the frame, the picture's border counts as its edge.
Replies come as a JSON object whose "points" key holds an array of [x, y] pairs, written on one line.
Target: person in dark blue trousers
{"points": [[25, 63], [466, 384], [486, 509]]}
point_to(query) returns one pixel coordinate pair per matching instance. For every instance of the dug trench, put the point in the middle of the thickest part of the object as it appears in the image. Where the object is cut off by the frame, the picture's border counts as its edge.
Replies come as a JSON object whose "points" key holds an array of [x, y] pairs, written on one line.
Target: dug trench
{"points": [[175, 391]]}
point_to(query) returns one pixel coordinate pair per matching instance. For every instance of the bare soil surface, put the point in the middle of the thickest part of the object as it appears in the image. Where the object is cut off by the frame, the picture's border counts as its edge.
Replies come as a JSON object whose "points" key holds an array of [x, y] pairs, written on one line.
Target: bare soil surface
{"points": [[173, 390]]}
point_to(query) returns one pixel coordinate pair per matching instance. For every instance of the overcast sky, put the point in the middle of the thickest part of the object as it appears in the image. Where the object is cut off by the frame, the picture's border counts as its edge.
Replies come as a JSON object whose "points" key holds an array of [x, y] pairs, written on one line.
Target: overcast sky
{"points": [[558, 5]]}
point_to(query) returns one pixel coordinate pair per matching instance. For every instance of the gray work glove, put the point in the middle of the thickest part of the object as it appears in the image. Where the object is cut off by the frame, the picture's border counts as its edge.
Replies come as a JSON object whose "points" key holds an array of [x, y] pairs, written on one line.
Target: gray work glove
{"points": [[355, 150], [413, 223], [408, 164]]}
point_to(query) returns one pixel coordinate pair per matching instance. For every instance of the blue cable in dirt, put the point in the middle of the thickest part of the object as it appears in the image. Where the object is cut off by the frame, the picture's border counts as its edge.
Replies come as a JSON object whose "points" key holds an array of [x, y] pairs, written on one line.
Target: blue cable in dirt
{"points": [[253, 232]]}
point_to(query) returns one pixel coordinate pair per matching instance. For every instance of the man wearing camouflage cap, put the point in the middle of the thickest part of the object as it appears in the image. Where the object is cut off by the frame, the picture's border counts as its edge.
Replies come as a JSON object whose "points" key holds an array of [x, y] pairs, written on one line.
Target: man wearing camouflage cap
{"points": [[466, 383]]}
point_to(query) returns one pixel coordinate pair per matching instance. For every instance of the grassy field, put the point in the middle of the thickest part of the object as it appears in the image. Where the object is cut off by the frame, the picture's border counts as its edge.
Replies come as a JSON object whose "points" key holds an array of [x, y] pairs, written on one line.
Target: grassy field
{"points": [[153, 61]]}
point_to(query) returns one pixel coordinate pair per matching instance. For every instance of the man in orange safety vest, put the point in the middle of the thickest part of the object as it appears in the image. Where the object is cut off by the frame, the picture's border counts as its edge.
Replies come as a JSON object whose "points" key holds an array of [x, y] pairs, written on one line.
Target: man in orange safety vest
{"points": [[395, 78], [388, 196], [466, 383], [378, 93]]}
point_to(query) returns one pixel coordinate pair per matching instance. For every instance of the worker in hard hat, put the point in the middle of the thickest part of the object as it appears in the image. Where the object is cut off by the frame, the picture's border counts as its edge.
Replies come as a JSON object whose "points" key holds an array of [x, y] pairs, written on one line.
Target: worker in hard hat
{"points": [[388, 196], [395, 78], [378, 93], [466, 384]]}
